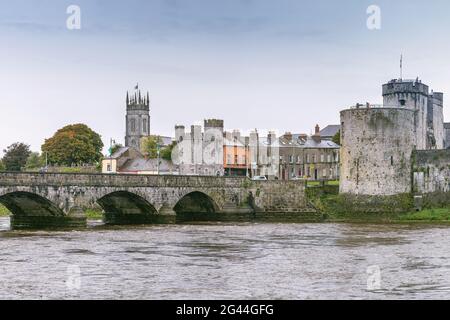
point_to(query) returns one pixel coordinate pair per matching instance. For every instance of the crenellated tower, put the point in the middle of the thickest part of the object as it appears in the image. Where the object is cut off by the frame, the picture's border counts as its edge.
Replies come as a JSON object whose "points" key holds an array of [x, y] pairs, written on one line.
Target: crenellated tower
{"points": [[137, 119]]}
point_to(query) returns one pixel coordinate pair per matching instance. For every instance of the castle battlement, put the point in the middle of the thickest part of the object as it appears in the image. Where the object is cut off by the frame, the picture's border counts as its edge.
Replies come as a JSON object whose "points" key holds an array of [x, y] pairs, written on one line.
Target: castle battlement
{"points": [[213, 123], [397, 86]]}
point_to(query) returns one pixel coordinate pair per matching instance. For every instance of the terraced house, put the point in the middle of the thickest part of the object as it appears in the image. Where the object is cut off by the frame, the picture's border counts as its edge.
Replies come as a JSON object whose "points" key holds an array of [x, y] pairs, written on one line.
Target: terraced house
{"points": [[308, 157]]}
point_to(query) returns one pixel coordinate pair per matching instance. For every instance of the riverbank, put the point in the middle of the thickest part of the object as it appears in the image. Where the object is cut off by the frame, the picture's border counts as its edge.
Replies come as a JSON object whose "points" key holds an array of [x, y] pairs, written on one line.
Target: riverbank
{"points": [[431, 215], [399, 209]]}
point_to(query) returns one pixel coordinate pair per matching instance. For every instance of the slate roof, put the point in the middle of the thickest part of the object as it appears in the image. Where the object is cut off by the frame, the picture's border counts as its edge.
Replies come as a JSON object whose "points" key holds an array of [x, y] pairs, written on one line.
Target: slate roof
{"points": [[142, 164], [308, 143], [330, 131]]}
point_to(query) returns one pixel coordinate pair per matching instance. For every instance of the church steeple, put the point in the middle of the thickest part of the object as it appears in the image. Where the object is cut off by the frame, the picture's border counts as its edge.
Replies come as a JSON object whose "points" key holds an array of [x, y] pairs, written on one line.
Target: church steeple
{"points": [[137, 118]]}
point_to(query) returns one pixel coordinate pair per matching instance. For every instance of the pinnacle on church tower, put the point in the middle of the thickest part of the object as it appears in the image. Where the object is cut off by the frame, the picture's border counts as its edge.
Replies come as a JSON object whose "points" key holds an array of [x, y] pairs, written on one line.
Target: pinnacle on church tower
{"points": [[137, 118]]}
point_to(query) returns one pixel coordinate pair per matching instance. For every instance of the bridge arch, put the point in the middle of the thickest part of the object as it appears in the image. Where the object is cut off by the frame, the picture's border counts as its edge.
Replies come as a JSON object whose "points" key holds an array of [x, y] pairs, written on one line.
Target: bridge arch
{"points": [[124, 207], [196, 205], [21, 203]]}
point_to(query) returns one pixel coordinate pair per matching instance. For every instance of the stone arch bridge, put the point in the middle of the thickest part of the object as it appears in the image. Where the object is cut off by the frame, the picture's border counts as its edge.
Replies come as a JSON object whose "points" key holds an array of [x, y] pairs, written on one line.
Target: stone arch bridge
{"points": [[53, 200]]}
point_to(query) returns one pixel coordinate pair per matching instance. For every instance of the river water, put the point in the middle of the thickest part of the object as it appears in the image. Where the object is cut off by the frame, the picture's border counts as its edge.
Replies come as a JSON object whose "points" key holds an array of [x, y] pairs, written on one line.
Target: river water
{"points": [[227, 261]]}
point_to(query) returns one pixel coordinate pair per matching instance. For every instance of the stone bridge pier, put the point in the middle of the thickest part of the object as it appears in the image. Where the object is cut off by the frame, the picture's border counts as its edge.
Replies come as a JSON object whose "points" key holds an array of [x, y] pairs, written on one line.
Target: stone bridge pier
{"points": [[59, 200]]}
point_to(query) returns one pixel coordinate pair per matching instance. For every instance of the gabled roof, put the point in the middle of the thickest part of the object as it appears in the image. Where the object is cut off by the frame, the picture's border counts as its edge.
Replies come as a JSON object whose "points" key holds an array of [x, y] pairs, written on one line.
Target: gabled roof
{"points": [[142, 164], [119, 152], [330, 131]]}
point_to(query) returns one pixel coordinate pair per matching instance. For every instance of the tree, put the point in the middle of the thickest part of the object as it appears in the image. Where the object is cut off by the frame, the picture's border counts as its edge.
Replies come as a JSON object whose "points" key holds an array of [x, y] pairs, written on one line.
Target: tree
{"points": [[35, 161], [150, 146], [114, 148], [74, 144], [166, 153], [2, 166], [337, 138], [16, 156]]}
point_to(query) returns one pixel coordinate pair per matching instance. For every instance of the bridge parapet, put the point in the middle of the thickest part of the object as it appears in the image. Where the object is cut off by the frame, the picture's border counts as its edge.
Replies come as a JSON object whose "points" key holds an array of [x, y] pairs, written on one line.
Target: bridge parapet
{"points": [[116, 180]]}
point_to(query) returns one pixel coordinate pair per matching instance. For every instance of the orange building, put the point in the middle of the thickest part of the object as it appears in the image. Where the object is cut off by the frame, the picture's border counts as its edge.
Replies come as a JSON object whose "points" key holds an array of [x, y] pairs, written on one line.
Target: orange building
{"points": [[235, 155]]}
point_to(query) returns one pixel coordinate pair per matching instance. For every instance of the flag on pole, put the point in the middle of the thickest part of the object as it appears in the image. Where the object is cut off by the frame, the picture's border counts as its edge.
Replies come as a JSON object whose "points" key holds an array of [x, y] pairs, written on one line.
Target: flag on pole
{"points": [[401, 66]]}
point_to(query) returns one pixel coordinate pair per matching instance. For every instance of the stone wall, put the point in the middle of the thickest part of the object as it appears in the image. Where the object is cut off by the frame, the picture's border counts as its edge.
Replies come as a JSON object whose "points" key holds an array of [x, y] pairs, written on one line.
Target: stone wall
{"points": [[376, 151], [431, 171], [447, 135]]}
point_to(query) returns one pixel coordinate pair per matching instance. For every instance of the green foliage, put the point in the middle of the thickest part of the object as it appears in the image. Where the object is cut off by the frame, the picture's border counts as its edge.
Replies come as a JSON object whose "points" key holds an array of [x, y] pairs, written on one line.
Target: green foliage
{"points": [[166, 153], [115, 147], [16, 156], [337, 138], [35, 161], [74, 144], [94, 214], [2, 166], [150, 146], [439, 214], [4, 212]]}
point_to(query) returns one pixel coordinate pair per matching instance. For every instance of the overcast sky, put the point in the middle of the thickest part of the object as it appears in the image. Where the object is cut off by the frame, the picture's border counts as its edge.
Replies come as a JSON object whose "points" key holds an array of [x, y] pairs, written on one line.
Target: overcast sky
{"points": [[267, 64]]}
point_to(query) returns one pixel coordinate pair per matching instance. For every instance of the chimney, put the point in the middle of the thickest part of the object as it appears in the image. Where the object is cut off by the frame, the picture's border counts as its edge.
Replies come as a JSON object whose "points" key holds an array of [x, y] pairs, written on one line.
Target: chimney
{"points": [[316, 137]]}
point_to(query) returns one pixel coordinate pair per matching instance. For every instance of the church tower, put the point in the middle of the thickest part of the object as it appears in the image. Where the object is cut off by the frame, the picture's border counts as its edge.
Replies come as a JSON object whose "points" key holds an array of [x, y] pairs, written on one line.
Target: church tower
{"points": [[137, 118]]}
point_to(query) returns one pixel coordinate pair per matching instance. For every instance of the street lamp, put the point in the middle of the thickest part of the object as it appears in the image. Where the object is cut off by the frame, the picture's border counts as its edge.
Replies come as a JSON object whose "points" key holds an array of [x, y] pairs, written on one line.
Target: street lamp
{"points": [[111, 143]]}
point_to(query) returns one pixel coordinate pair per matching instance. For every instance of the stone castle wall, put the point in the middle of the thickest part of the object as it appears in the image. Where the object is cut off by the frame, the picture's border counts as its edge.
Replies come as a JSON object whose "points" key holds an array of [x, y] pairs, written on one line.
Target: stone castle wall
{"points": [[431, 171], [376, 151]]}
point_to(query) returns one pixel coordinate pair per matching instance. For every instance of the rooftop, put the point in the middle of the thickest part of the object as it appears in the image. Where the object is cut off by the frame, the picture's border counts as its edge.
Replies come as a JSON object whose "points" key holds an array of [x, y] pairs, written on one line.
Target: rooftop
{"points": [[330, 130]]}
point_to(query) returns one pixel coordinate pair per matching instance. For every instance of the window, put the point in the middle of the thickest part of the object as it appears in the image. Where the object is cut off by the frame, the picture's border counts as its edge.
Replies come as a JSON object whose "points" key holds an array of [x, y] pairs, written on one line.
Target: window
{"points": [[236, 159], [144, 125], [291, 159], [314, 158], [133, 125], [108, 168], [392, 160], [324, 173], [298, 159], [322, 158], [329, 158], [307, 158]]}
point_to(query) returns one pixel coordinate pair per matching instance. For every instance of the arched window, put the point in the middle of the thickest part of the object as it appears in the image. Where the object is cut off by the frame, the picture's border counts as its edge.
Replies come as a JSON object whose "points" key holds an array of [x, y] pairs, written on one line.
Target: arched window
{"points": [[144, 125]]}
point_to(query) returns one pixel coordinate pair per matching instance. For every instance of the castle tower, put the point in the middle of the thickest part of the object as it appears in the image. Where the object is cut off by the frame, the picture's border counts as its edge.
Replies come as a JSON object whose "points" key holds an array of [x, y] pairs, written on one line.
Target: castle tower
{"points": [[376, 148], [412, 95], [137, 118], [436, 120]]}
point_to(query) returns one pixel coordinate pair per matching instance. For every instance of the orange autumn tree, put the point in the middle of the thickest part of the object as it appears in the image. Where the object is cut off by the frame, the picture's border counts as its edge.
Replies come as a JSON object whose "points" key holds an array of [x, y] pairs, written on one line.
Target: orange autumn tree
{"points": [[72, 145]]}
